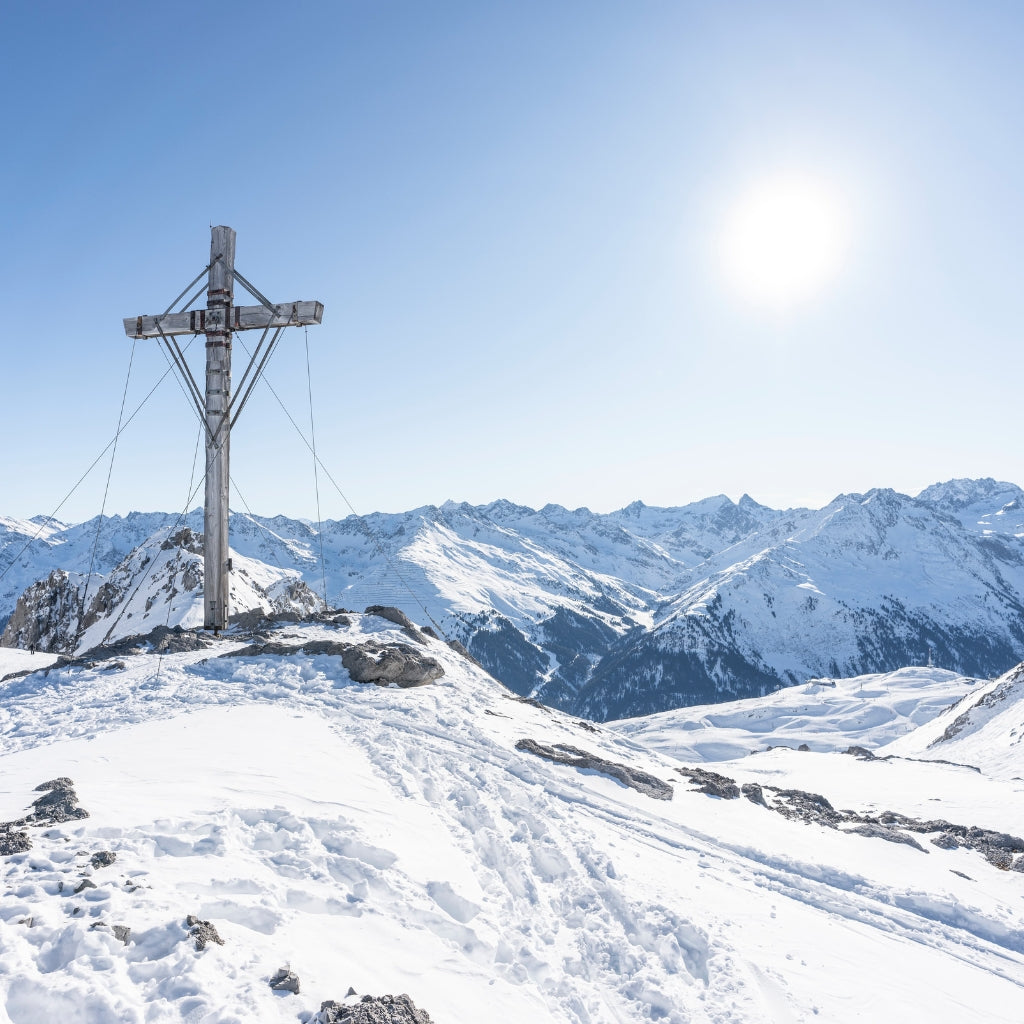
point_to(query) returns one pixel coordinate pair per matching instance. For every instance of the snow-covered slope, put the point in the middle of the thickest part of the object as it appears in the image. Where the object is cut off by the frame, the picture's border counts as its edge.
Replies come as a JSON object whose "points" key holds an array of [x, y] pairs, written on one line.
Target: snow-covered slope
{"points": [[643, 609], [823, 714], [399, 841], [985, 729]]}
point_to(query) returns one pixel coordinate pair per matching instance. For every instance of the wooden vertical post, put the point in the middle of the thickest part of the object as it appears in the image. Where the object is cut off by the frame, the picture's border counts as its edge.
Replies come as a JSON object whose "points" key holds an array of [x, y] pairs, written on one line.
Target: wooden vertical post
{"points": [[218, 322], [219, 303]]}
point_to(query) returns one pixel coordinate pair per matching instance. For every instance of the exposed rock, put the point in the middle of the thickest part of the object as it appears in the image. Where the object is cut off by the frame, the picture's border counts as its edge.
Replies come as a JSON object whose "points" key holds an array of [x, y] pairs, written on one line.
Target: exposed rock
{"points": [[711, 783], [294, 598], [803, 747], [122, 932], [383, 664], [185, 538], [795, 803], [103, 859], [562, 753], [1000, 849], [203, 932], [84, 884], [461, 649], [753, 792], [13, 841], [47, 614], [399, 618], [176, 640], [891, 835], [372, 1010], [861, 752], [285, 981], [59, 804], [387, 664]]}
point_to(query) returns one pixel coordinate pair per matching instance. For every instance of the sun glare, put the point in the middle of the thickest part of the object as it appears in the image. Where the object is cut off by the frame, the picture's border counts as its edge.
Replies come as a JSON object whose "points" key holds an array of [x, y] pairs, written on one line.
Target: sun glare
{"points": [[784, 241]]}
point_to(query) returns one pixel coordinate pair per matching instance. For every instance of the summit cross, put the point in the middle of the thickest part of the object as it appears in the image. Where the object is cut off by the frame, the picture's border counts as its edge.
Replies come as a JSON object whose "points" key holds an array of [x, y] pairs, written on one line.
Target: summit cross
{"points": [[218, 409]]}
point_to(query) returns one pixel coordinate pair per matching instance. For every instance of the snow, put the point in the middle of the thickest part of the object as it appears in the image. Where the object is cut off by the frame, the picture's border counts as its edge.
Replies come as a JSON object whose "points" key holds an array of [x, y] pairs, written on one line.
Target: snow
{"points": [[396, 841], [826, 714]]}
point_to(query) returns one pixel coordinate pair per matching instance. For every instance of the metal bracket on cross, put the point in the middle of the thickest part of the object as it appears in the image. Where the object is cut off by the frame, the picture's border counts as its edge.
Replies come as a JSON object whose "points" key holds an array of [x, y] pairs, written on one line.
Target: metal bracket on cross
{"points": [[218, 409]]}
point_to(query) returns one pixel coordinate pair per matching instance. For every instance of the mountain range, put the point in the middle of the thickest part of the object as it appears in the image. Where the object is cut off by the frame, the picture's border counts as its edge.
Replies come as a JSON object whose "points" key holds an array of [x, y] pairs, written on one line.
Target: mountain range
{"points": [[606, 616]]}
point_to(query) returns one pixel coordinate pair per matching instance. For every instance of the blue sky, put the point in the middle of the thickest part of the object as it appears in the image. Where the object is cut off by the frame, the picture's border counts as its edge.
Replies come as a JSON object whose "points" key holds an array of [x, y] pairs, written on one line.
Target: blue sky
{"points": [[511, 211]]}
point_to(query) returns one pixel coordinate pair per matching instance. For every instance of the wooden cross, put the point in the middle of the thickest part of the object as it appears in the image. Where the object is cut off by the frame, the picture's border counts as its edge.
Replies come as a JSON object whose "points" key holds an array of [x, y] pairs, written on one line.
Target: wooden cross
{"points": [[218, 410]]}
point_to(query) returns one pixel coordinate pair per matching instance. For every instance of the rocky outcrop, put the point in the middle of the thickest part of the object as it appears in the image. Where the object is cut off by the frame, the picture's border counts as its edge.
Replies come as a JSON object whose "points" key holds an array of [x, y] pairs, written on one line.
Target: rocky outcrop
{"points": [[203, 932], [285, 980], [47, 614], [372, 1010], [634, 778], [294, 598], [1000, 849], [387, 664], [59, 803], [390, 665]]}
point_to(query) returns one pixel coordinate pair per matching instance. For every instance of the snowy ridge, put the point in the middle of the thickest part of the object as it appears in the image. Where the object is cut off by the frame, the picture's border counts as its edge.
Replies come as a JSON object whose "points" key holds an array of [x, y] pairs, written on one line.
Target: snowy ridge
{"points": [[646, 609], [397, 841], [985, 729]]}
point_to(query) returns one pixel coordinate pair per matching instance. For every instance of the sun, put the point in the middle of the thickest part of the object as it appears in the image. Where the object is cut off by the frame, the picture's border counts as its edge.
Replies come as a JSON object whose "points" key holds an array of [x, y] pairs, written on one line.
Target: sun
{"points": [[784, 240]]}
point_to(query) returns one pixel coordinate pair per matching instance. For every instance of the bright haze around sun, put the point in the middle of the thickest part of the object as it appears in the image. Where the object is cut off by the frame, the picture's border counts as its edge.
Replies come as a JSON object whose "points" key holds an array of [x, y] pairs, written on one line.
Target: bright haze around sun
{"points": [[784, 241]]}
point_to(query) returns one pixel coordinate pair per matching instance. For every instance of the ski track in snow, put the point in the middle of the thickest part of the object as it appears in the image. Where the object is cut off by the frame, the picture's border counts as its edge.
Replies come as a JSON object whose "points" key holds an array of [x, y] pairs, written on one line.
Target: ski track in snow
{"points": [[501, 885]]}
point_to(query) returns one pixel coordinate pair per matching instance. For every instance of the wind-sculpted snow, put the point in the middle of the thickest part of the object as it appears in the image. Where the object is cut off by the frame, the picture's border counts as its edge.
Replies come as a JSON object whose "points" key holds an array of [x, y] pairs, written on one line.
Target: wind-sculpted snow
{"points": [[397, 841], [985, 728]]}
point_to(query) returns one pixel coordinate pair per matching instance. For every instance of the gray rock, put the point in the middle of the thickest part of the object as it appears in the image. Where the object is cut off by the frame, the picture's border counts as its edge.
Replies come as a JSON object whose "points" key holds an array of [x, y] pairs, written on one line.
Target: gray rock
{"points": [[399, 618], [103, 859], [285, 981], [753, 792], [13, 841], [373, 1010], [122, 932], [711, 783], [945, 841], [562, 753], [203, 932], [84, 884], [59, 804], [998, 858], [889, 834], [461, 649], [390, 664], [811, 807], [383, 664], [862, 752]]}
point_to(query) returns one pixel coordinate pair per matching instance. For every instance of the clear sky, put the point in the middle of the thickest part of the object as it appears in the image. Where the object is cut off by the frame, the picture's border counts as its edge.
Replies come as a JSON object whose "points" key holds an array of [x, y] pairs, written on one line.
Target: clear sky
{"points": [[516, 214]]}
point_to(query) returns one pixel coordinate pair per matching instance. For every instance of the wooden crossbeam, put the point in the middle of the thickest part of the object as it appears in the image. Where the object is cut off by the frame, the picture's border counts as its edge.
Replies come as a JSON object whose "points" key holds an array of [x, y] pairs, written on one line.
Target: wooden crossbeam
{"points": [[240, 318]]}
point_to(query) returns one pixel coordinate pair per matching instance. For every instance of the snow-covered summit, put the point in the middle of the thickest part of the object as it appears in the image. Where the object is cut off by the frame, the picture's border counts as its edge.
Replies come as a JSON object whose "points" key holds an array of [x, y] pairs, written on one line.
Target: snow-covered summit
{"points": [[409, 841]]}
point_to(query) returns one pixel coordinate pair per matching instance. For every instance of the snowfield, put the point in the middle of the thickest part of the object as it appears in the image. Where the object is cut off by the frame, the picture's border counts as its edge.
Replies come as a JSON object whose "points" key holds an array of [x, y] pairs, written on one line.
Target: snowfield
{"points": [[395, 840]]}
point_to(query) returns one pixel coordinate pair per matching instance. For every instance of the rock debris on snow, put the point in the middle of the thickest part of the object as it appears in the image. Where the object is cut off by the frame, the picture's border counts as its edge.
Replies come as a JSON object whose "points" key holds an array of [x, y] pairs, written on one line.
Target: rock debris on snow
{"points": [[384, 664], [562, 753], [203, 932], [372, 1010], [285, 980]]}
